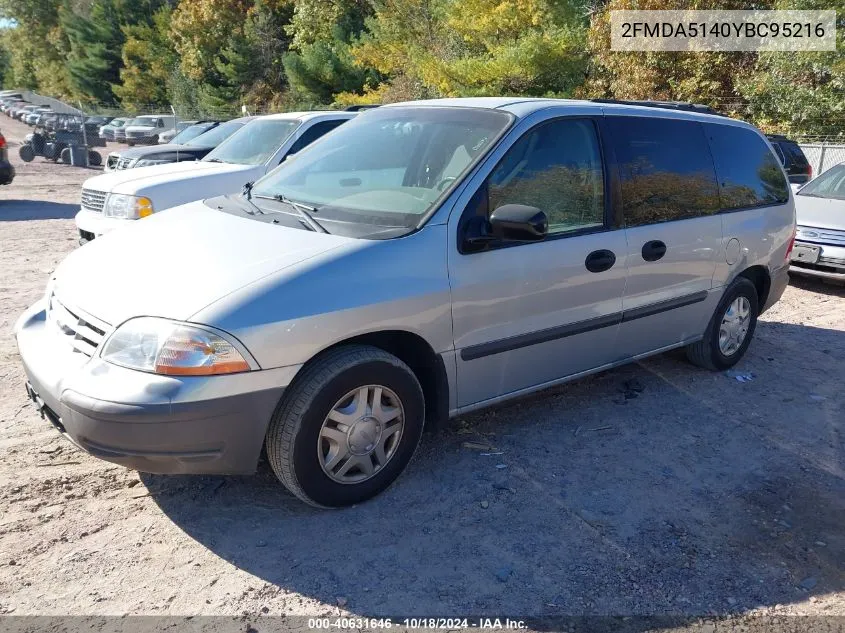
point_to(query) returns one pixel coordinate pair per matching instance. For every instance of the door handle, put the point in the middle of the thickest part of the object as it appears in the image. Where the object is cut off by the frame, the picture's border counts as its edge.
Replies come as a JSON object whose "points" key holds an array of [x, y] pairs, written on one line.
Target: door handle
{"points": [[600, 261], [653, 250]]}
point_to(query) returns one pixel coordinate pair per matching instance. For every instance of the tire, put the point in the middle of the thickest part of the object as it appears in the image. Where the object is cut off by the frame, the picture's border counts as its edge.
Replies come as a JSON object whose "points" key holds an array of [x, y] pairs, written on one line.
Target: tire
{"points": [[708, 352], [94, 158], [130, 143], [65, 155], [296, 444], [27, 153]]}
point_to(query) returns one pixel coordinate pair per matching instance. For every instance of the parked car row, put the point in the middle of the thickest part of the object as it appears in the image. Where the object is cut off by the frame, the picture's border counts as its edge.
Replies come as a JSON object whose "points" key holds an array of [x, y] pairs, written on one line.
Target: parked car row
{"points": [[192, 143], [143, 181]]}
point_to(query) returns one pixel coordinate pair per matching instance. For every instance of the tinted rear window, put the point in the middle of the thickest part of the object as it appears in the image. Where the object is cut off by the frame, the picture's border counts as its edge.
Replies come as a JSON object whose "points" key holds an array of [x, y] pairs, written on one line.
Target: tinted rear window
{"points": [[794, 152], [665, 168], [749, 174]]}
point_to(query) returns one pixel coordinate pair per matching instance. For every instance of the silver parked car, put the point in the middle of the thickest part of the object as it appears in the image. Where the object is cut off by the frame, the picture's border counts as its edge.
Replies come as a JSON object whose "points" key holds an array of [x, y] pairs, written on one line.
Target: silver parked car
{"points": [[424, 260], [820, 241]]}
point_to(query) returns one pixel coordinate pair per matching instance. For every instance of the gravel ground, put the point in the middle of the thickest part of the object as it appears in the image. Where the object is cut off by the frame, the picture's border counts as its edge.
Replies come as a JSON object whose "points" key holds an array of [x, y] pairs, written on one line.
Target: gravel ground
{"points": [[657, 488]]}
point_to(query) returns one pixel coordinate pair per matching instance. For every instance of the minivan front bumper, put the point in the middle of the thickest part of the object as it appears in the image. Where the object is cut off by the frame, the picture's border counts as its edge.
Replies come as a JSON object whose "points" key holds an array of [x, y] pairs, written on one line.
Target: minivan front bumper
{"points": [[148, 422]]}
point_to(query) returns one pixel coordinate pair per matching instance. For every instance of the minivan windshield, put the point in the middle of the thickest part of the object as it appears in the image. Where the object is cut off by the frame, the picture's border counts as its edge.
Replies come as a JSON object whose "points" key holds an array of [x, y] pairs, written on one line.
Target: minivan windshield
{"points": [[215, 136], [830, 184], [386, 167], [254, 143], [149, 122]]}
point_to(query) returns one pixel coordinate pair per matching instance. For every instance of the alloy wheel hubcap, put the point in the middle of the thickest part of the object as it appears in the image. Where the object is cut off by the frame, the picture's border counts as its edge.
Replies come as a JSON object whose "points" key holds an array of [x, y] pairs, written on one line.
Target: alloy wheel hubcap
{"points": [[734, 327], [360, 434]]}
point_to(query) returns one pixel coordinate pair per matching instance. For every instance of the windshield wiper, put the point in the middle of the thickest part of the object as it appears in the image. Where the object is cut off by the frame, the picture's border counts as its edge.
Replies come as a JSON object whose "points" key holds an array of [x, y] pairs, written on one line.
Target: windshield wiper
{"points": [[214, 160], [303, 209]]}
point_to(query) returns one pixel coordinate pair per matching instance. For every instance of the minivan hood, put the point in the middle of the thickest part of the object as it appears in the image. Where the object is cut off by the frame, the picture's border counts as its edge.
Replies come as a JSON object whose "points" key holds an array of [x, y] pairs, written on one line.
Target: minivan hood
{"points": [[131, 181], [175, 263], [822, 213]]}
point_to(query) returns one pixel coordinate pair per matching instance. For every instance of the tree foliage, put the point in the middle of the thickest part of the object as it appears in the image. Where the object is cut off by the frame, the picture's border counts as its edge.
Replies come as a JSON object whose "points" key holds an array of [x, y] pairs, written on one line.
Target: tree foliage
{"points": [[211, 57]]}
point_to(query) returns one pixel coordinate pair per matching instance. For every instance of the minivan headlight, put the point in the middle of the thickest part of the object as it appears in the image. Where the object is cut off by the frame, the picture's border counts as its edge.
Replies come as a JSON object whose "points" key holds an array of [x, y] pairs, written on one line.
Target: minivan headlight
{"points": [[176, 349], [119, 205]]}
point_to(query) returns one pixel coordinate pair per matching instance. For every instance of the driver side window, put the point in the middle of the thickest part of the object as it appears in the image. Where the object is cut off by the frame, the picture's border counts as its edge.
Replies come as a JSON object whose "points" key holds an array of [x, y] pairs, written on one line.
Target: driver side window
{"points": [[555, 167]]}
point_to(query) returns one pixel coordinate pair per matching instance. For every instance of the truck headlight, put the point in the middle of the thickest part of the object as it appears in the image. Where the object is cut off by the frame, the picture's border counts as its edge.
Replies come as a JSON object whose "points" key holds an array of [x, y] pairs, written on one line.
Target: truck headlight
{"points": [[119, 205], [161, 346]]}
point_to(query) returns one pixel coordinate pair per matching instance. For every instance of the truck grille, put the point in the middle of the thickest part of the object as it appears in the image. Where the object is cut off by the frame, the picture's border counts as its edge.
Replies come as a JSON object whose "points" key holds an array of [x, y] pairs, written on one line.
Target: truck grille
{"points": [[111, 161], [815, 235], [93, 200], [85, 337], [123, 163]]}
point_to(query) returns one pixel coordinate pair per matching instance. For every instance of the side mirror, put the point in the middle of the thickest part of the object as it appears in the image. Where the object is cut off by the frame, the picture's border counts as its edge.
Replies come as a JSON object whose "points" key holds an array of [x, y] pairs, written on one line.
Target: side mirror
{"points": [[519, 223]]}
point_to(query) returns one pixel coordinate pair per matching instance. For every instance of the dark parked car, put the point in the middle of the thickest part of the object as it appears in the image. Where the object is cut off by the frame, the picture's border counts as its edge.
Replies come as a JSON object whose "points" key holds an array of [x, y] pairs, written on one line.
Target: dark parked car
{"points": [[792, 158], [192, 143], [7, 172]]}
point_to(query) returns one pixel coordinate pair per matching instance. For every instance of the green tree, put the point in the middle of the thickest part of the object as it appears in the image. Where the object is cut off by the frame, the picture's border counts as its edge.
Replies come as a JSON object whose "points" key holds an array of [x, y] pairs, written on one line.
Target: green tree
{"points": [[148, 60], [95, 41], [37, 45], [705, 77], [320, 63], [799, 93]]}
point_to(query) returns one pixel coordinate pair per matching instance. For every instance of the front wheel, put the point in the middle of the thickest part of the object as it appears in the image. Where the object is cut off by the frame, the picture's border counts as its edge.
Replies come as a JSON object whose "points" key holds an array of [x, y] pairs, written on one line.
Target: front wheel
{"points": [[26, 152], [347, 427], [729, 332]]}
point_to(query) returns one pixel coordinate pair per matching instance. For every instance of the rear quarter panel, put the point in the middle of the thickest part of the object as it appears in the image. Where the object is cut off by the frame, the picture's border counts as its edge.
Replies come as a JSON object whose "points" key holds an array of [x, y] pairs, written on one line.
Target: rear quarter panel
{"points": [[763, 235]]}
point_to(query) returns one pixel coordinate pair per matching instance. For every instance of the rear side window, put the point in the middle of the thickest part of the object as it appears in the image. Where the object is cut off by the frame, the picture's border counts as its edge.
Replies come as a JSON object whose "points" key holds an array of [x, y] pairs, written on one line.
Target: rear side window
{"points": [[313, 133], [665, 169], [749, 174], [795, 154]]}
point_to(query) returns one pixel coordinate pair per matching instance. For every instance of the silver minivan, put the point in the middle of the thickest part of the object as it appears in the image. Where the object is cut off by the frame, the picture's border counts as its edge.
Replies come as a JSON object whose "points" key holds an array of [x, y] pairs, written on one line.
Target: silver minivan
{"points": [[422, 261]]}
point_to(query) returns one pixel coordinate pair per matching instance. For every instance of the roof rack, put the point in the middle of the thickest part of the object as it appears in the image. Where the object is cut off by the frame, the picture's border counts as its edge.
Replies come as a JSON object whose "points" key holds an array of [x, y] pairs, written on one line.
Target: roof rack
{"points": [[358, 108], [669, 105]]}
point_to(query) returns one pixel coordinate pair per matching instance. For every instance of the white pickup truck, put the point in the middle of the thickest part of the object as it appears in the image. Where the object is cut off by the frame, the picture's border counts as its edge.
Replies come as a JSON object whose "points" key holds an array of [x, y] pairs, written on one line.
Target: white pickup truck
{"points": [[114, 199]]}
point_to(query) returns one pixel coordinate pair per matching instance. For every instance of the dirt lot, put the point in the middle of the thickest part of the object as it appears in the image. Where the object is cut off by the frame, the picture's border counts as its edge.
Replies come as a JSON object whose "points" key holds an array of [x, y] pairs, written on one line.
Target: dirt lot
{"points": [[657, 488]]}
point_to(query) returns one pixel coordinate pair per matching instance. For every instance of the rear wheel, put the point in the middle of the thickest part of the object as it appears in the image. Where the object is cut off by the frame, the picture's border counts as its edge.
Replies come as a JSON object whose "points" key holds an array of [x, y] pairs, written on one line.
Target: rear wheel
{"points": [[94, 158], [65, 155], [347, 427], [730, 330]]}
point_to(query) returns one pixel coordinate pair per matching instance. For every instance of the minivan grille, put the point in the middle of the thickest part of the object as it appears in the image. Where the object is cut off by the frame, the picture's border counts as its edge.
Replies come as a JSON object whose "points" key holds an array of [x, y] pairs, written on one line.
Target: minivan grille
{"points": [[93, 200], [83, 336]]}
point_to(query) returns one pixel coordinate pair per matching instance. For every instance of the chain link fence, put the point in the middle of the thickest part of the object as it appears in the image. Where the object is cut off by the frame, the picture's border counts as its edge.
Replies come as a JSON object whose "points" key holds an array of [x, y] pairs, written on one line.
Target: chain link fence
{"points": [[823, 156]]}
